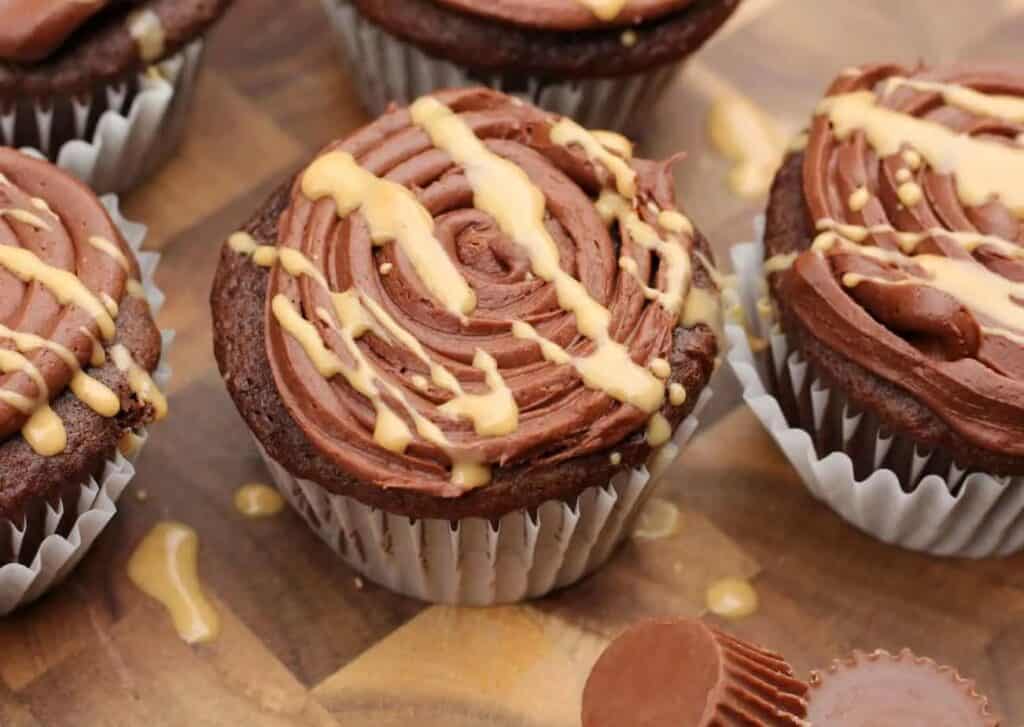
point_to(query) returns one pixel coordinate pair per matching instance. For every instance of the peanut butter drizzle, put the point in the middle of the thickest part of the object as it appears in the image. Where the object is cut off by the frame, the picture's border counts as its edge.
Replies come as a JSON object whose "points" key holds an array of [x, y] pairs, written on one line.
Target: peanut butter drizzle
{"points": [[165, 566], [679, 275], [26, 218], [503, 190], [983, 170], [751, 139], [256, 500], [604, 9], [98, 357], [390, 431], [65, 286], [689, 304], [104, 245], [147, 30], [732, 598], [1007, 108], [780, 263], [909, 241], [980, 290], [493, 414], [393, 214], [659, 430], [94, 394], [44, 430], [614, 141], [567, 132], [139, 380]]}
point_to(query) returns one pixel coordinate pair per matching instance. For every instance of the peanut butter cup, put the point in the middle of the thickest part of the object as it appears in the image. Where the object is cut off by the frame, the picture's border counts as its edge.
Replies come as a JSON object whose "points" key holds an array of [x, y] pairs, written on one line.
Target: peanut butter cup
{"points": [[603, 62], [65, 64], [77, 347], [687, 674], [469, 309], [885, 690]]}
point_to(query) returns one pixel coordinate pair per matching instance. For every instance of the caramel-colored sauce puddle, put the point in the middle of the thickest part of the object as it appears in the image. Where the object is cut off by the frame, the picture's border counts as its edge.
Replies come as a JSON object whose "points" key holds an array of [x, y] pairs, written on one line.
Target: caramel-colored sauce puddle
{"points": [[732, 598], [659, 519], [751, 139], [257, 500], [164, 566]]}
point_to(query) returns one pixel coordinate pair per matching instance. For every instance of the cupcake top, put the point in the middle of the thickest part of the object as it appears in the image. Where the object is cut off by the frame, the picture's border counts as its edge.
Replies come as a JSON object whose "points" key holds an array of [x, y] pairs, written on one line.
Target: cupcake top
{"points": [[472, 286], [912, 180], [67, 46], [686, 674], [883, 690], [569, 14], [557, 38], [77, 341]]}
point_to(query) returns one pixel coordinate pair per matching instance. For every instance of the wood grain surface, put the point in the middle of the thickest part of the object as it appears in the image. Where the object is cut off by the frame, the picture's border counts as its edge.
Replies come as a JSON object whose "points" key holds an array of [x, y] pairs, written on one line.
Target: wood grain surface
{"points": [[304, 641]]}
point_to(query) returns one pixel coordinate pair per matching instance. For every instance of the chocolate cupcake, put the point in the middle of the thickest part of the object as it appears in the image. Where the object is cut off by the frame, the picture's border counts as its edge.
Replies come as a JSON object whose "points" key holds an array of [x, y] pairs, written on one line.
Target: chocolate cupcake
{"points": [[894, 252], [78, 346], [687, 674], [459, 335], [603, 63], [102, 87], [883, 690]]}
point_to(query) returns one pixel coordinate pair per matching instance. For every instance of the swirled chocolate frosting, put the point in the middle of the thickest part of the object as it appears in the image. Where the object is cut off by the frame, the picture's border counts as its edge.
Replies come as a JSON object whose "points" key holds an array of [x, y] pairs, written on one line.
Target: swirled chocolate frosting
{"points": [[64, 270], [569, 14], [472, 282], [33, 29], [915, 182]]}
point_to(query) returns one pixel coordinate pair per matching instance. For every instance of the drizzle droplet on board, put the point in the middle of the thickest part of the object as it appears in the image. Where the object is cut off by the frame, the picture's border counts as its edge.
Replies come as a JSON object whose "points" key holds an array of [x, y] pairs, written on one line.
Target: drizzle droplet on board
{"points": [[732, 598], [257, 500], [751, 139], [165, 566], [659, 519]]}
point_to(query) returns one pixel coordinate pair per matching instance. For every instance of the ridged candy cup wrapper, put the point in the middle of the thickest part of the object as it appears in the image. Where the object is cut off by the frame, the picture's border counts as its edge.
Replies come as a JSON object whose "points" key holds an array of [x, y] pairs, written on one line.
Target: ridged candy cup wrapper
{"points": [[139, 124], [70, 528], [392, 70], [973, 515], [890, 689], [474, 562]]}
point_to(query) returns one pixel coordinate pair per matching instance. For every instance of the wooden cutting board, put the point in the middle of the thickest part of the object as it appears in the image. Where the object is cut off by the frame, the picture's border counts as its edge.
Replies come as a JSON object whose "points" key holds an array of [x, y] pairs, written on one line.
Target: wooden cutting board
{"points": [[306, 643]]}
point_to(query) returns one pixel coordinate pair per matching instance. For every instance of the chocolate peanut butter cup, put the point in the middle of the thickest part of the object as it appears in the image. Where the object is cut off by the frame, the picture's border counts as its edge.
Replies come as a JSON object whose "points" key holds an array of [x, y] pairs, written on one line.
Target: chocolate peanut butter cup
{"points": [[885, 690], [77, 347], [894, 253], [116, 74], [687, 674], [603, 63], [470, 311]]}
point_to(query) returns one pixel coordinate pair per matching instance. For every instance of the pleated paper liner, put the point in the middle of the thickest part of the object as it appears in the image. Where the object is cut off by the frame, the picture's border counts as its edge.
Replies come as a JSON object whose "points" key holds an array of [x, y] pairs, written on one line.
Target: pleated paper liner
{"points": [[880, 482], [115, 137], [474, 562], [38, 554], [387, 69]]}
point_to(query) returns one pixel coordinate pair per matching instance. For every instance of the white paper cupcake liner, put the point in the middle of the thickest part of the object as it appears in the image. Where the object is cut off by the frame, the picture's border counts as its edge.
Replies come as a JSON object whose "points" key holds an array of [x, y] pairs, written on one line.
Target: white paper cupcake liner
{"points": [[473, 562], [881, 483], [387, 69], [66, 535], [123, 133]]}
